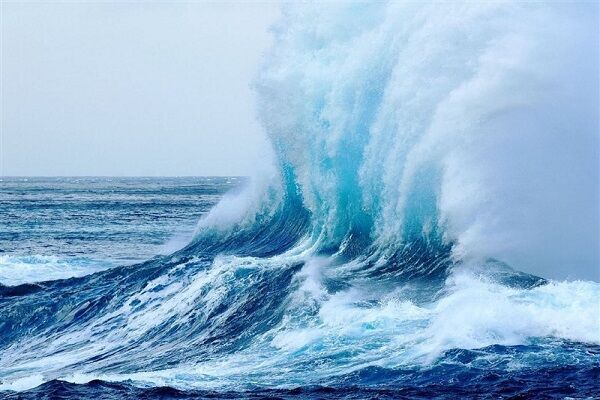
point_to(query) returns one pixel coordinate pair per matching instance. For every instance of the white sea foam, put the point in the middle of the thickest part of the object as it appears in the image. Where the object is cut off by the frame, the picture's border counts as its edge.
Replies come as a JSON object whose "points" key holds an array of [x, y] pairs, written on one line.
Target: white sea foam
{"points": [[478, 313], [24, 383], [16, 270]]}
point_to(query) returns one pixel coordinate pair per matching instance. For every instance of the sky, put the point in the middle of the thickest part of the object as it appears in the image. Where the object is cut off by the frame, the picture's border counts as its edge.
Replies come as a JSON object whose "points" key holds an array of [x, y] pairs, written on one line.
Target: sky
{"points": [[132, 89]]}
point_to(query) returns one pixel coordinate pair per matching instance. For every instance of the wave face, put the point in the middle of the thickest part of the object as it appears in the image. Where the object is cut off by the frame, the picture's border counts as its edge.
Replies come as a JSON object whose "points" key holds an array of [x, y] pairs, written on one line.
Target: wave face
{"points": [[474, 124], [425, 154]]}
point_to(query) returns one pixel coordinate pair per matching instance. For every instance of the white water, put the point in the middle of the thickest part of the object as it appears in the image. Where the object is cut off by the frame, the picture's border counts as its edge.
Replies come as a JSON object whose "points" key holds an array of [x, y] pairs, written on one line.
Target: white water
{"points": [[17, 270]]}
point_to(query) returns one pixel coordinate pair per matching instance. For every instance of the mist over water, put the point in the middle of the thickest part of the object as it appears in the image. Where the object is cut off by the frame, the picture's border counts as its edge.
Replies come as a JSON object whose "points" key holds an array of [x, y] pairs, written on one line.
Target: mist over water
{"points": [[430, 225]]}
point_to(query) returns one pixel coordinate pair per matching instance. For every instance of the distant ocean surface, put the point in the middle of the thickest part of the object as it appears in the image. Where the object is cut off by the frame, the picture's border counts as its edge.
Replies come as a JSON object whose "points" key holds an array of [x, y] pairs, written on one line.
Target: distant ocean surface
{"points": [[53, 228]]}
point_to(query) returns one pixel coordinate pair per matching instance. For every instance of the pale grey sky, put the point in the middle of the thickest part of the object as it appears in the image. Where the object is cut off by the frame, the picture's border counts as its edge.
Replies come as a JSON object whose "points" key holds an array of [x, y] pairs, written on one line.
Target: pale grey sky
{"points": [[135, 88]]}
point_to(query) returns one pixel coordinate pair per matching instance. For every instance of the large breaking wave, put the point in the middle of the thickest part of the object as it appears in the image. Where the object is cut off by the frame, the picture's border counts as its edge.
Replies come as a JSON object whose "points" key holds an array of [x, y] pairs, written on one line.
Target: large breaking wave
{"points": [[423, 155]]}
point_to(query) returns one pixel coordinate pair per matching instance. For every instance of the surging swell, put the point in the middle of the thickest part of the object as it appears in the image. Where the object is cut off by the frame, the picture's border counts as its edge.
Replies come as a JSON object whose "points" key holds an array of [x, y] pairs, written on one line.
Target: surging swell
{"points": [[415, 146]]}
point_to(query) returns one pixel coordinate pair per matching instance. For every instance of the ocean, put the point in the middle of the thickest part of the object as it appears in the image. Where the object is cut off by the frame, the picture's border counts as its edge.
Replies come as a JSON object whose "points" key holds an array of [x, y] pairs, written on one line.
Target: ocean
{"points": [[98, 300], [427, 227]]}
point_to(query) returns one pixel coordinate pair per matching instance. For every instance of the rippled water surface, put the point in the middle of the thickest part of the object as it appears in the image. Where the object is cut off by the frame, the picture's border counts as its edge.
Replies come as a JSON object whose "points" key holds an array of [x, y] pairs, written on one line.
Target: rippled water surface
{"points": [[59, 227]]}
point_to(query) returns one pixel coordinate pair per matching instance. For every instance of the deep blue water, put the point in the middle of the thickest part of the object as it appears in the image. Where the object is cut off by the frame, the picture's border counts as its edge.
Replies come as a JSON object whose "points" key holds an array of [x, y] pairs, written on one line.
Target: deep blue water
{"points": [[444, 383]]}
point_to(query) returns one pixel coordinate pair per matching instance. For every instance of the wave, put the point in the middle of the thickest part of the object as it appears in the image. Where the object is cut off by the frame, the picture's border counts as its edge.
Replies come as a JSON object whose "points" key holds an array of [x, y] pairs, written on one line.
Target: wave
{"points": [[474, 125], [425, 155]]}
